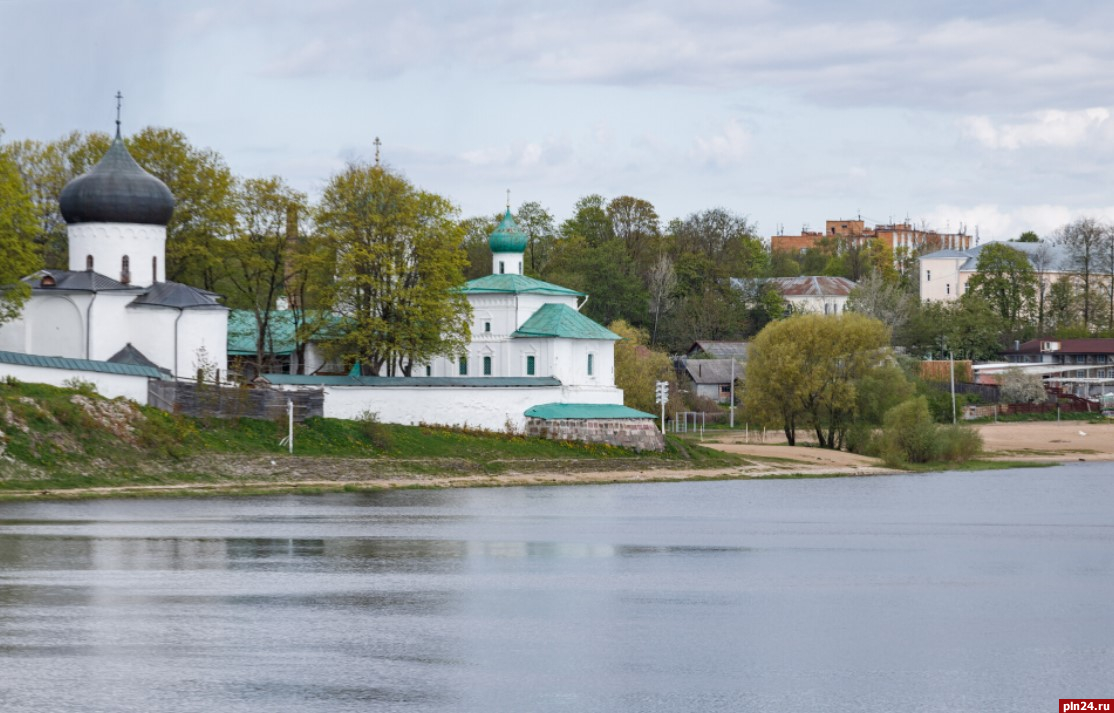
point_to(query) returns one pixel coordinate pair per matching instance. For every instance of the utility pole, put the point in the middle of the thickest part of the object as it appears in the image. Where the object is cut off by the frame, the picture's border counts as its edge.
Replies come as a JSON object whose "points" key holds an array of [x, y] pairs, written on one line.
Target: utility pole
{"points": [[732, 392], [951, 361]]}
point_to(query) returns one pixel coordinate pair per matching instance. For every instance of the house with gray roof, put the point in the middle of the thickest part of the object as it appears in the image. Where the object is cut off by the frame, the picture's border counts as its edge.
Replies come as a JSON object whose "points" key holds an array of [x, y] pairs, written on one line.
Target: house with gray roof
{"points": [[944, 274]]}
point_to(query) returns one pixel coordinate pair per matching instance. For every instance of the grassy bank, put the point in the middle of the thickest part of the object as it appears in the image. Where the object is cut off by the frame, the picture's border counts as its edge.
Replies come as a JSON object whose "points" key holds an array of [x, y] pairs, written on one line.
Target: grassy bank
{"points": [[56, 439]]}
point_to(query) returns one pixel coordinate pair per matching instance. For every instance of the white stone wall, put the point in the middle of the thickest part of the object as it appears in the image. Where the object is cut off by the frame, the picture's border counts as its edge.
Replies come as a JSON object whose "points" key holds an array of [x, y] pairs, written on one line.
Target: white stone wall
{"points": [[489, 408], [510, 262], [173, 342], [815, 304], [108, 243], [941, 279], [108, 385]]}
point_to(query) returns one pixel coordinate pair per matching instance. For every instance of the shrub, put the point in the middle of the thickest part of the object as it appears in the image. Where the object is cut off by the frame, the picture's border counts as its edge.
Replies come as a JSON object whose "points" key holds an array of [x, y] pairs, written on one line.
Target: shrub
{"points": [[909, 433], [956, 444], [377, 432], [862, 439], [81, 386]]}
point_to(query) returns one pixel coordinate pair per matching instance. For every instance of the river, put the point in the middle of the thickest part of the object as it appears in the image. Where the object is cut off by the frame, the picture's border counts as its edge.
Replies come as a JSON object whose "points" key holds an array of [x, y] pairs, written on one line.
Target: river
{"points": [[988, 591]]}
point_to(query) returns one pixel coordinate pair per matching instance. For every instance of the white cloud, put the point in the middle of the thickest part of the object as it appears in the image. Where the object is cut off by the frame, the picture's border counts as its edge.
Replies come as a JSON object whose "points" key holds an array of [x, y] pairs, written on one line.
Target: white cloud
{"points": [[994, 222], [726, 147], [1055, 128]]}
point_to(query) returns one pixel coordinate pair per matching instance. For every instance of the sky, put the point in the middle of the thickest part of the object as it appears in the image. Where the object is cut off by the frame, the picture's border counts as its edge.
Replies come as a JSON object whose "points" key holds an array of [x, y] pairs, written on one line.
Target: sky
{"points": [[992, 115]]}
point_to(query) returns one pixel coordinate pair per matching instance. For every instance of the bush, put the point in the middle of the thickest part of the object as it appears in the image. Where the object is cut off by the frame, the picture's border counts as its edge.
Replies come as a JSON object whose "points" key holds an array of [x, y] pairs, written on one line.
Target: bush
{"points": [[862, 439], [81, 386], [956, 444], [377, 432], [909, 433]]}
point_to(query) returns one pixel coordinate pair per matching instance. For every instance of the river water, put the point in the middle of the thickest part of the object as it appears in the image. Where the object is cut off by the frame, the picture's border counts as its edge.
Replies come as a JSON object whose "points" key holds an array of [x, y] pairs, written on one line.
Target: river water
{"points": [[950, 592]]}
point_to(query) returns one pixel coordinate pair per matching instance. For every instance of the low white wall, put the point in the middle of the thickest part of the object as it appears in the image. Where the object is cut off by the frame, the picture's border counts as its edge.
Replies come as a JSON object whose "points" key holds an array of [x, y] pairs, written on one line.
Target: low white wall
{"points": [[108, 385], [488, 407]]}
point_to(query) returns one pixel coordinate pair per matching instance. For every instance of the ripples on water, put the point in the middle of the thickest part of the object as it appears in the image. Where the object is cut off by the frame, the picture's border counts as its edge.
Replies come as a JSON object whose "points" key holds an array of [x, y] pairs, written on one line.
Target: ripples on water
{"points": [[954, 592]]}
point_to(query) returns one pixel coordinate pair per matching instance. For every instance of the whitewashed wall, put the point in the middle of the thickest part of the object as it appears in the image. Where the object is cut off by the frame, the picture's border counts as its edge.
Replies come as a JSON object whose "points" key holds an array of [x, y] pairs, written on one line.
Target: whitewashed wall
{"points": [[108, 385], [108, 243], [488, 407]]}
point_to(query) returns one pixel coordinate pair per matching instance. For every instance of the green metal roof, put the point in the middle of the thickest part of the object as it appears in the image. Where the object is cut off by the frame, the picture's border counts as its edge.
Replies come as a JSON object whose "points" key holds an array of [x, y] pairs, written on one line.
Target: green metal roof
{"points": [[104, 367], [280, 332], [552, 412], [554, 320], [508, 237], [411, 381], [515, 284]]}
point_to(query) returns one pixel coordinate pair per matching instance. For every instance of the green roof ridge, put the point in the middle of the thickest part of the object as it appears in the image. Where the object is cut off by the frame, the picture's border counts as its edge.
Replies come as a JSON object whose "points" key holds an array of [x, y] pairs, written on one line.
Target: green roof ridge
{"points": [[515, 284], [554, 411]]}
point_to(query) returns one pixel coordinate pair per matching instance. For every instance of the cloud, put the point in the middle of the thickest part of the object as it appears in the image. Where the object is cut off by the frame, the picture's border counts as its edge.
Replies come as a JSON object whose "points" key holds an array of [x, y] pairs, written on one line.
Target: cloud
{"points": [[1015, 57], [1055, 128], [994, 222], [728, 146]]}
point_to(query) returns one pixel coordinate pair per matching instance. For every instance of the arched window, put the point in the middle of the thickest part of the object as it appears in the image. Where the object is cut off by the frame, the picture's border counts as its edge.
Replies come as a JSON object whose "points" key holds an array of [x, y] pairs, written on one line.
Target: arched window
{"points": [[125, 270], [591, 359], [88, 262], [487, 366]]}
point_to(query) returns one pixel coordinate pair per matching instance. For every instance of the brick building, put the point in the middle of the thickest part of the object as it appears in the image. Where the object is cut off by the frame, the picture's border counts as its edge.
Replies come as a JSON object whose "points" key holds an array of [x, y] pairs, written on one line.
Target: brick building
{"points": [[896, 236]]}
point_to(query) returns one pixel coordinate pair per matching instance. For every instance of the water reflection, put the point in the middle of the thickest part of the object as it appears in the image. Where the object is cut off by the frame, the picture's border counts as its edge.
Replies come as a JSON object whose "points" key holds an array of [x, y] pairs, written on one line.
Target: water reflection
{"points": [[978, 591]]}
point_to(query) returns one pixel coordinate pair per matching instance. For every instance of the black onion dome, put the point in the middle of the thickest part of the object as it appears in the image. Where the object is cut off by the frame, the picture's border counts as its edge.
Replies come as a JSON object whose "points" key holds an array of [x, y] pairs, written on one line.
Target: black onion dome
{"points": [[117, 190]]}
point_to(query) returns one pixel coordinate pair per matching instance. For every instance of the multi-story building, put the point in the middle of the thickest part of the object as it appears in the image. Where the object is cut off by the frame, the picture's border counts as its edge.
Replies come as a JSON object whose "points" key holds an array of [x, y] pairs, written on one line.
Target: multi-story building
{"points": [[899, 237]]}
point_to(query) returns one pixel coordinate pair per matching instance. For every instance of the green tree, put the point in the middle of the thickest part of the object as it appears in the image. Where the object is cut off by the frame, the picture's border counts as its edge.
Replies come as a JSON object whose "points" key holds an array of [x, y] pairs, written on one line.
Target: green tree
{"points": [[476, 248], [18, 227], [805, 370], [46, 168], [884, 300], [204, 210], [589, 221], [398, 267], [537, 223], [638, 368], [606, 273], [1028, 237], [1005, 278], [635, 222], [1083, 239], [267, 212]]}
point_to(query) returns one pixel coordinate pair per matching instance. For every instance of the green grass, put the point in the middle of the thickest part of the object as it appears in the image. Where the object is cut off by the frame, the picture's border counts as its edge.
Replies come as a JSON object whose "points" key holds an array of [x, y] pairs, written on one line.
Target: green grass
{"points": [[51, 442]]}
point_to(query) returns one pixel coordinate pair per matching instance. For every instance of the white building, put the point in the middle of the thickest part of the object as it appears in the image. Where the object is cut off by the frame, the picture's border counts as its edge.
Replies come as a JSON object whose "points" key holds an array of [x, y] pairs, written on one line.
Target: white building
{"points": [[944, 274], [530, 347], [113, 304], [808, 294]]}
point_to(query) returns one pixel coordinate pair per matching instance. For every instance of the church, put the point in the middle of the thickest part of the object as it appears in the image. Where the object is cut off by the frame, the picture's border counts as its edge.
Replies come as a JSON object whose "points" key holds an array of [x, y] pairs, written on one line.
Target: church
{"points": [[113, 311]]}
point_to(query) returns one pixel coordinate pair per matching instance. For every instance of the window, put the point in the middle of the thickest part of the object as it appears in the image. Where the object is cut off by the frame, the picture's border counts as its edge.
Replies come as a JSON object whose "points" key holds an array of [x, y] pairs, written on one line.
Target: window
{"points": [[948, 289], [462, 365], [928, 275], [154, 270], [125, 270], [591, 358], [487, 366], [487, 326], [88, 262], [529, 366], [428, 370], [500, 267]]}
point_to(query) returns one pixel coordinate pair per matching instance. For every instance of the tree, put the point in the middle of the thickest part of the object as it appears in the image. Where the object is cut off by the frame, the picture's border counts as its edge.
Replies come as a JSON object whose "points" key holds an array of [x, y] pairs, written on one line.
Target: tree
{"points": [[537, 223], [1005, 278], [638, 368], [1028, 237], [660, 282], [46, 168], [725, 240], [1043, 261], [267, 212], [635, 222], [1083, 239], [606, 273], [803, 371], [476, 249], [1017, 386], [883, 300], [204, 210], [398, 267], [18, 226], [590, 222]]}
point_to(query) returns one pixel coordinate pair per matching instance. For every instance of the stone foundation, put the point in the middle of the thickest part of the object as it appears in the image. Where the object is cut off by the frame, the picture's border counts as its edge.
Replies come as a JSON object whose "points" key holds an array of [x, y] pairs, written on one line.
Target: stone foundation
{"points": [[640, 434]]}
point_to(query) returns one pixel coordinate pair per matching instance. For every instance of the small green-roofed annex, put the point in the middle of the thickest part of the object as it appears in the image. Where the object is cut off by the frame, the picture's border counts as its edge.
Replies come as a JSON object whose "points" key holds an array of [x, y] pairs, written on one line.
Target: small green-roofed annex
{"points": [[515, 284], [553, 412], [280, 332], [557, 320]]}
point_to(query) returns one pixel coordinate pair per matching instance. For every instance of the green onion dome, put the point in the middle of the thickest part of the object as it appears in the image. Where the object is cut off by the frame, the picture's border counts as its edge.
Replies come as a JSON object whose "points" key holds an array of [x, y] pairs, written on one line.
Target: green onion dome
{"points": [[508, 237]]}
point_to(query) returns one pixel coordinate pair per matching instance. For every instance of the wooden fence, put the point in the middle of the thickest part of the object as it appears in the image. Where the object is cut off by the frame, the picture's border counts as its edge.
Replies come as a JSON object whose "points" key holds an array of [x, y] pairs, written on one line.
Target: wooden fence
{"points": [[211, 400]]}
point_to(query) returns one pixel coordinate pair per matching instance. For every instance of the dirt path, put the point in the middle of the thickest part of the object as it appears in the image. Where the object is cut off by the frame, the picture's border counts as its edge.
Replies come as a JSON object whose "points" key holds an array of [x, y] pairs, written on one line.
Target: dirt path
{"points": [[1066, 441]]}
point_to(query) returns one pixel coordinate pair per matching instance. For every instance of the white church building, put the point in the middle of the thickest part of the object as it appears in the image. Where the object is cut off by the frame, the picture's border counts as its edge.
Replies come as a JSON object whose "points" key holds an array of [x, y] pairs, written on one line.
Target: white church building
{"points": [[533, 360], [112, 318]]}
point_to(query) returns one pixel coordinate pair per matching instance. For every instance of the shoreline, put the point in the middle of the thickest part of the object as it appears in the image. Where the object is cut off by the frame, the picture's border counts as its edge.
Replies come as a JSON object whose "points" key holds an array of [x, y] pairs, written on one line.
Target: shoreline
{"points": [[1010, 445]]}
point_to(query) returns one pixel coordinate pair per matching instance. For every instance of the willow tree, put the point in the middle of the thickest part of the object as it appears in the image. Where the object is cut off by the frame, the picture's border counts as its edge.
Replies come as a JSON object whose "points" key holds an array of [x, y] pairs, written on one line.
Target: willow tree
{"points": [[805, 372], [398, 264]]}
